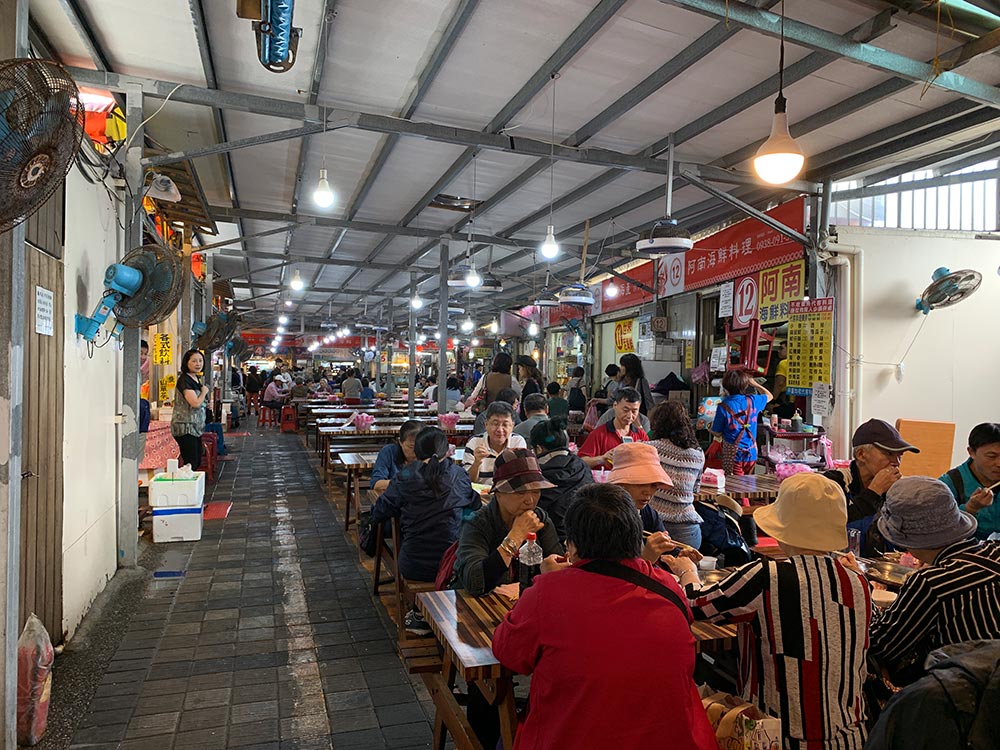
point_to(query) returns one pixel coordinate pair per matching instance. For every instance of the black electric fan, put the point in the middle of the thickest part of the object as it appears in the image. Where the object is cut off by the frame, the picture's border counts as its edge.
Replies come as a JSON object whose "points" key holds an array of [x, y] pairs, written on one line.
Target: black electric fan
{"points": [[216, 331], [41, 128]]}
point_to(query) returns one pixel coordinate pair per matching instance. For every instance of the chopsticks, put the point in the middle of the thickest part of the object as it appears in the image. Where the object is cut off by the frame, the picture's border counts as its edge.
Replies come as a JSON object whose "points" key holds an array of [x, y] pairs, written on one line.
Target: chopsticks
{"points": [[679, 545], [993, 486]]}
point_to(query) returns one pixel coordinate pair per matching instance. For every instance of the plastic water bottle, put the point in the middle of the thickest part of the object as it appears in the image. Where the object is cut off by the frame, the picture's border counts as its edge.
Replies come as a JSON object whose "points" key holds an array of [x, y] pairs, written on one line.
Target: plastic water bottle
{"points": [[529, 561]]}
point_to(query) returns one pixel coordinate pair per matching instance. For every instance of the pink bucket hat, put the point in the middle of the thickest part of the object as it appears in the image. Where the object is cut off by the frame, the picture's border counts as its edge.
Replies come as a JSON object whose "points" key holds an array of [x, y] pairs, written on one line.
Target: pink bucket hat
{"points": [[638, 463]]}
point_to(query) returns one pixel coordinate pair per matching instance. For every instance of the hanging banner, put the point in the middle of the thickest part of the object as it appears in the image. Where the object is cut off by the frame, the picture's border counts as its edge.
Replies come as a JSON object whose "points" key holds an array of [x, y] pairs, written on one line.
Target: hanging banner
{"points": [[558, 316], [629, 295], [166, 388], [624, 343], [810, 344], [163, 349], [776, 288]]}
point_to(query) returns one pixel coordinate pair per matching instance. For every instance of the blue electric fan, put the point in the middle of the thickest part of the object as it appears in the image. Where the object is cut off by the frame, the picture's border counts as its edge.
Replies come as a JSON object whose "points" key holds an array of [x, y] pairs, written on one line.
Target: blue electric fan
{"points": [[41, 127], [948, 288], [143, 289], [216, 331]]}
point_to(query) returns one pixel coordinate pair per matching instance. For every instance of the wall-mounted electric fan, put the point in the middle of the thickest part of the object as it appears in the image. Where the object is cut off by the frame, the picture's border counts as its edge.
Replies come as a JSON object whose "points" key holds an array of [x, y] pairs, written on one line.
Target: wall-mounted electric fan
{"points": [[41, 127], [219, 329], [239, 349], [948, 288], [141, 290]]}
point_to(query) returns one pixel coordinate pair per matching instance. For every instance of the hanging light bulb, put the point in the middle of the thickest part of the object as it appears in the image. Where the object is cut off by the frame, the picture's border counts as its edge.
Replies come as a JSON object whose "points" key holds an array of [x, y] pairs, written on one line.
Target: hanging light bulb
{"points": [[474, 342], [288, 303], [345, 331], [283, 319], [297, 283], [467, 325], [323, 195], [779, 159], [549, 247], [536, 355], [437, 335], [472, 277], [611, 290], [416, 303], [495, 327], [533, 329]]}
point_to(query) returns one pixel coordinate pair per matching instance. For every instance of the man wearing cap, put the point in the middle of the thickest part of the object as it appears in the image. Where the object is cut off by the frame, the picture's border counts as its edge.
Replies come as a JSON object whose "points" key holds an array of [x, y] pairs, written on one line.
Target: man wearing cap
{"points": [[603, 439], [878, 449], [803, 622], [491, 540], [955, 598], [970, 482], [607, 642]]}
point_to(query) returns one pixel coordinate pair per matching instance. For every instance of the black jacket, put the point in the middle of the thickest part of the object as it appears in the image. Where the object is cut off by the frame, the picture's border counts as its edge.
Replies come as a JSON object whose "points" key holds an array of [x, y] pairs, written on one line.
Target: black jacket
{"points": [[568, 473], [957, 705], [863, 506], [429, 519]]}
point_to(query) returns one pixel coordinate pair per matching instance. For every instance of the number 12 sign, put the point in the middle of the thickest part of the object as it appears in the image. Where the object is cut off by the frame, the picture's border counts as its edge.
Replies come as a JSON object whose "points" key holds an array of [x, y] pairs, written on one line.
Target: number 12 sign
{"points": [[745, 302]]}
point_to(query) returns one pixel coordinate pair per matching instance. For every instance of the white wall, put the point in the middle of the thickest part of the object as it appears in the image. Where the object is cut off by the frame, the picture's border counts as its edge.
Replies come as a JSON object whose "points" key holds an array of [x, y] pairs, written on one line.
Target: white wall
{"points": [[90, 444], [949, 373]]}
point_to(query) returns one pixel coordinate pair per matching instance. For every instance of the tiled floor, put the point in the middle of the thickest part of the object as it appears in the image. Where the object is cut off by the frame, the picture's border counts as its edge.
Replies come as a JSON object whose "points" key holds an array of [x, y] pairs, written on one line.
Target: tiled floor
{"points": [[263, 635]]}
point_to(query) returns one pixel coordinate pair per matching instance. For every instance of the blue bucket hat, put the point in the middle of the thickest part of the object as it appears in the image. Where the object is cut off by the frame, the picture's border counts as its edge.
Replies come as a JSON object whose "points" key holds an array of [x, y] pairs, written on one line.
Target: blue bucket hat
{"points": [[921, 513]]}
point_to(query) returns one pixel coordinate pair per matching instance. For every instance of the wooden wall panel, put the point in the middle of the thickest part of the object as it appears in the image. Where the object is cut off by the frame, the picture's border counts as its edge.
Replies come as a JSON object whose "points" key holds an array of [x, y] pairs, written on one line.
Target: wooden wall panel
{"points": [[42, 491], [45, 228]]}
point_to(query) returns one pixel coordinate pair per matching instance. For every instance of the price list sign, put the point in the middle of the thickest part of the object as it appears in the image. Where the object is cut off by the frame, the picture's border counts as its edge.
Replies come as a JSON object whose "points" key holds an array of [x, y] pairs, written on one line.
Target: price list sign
{"points": [[810, 344]]}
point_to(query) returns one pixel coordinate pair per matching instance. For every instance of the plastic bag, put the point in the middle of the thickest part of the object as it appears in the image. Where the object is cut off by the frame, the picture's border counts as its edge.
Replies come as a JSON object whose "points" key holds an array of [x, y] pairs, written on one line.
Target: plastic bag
{"points": [[34, 681], [590, 421], [739, 725]]}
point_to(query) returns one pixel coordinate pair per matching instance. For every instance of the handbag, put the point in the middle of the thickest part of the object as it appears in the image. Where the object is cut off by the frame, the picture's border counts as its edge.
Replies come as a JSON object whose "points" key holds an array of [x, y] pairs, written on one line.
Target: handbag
{"points": [[713, 455], [367, 533]]}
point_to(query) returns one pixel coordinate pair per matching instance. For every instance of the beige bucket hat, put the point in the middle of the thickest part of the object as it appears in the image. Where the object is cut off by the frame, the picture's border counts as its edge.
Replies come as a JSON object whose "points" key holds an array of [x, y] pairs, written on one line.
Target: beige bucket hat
{"points": [[810, 513]]}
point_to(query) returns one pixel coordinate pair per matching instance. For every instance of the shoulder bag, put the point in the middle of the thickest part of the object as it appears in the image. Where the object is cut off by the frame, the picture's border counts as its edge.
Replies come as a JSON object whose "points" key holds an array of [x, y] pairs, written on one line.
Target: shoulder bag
{"points": [[625, 573]]}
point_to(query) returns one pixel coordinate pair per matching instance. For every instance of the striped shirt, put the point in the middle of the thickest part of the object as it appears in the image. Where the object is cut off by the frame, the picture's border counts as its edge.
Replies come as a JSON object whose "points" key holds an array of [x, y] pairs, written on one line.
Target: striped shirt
{"points": [[684, 467], [956, 599], [803, 633]]}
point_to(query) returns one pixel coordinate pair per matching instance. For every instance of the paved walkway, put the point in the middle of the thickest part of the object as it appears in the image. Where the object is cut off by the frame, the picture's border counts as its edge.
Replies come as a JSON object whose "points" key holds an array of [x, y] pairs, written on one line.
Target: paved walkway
{"points": [[263, 635]]}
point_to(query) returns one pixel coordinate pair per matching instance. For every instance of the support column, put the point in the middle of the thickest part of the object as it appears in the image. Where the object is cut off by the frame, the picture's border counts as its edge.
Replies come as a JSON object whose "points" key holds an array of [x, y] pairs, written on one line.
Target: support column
{"points": [[13, 43], [390, 388], [128, 490], [413, 348], [443, 329], [206, 316]]}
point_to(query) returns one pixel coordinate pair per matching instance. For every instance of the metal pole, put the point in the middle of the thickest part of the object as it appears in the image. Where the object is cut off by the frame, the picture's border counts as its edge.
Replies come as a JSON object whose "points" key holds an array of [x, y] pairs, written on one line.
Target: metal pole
{"points": [[391, 384], [443, 329], [413, 347], [128, 491], [206, 316]]}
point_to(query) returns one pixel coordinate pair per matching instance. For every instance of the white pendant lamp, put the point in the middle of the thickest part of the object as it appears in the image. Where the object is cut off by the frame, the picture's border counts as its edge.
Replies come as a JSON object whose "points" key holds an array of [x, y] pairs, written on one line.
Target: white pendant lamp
{"points": [[611, 290], [779, 159], [549, 247], [546, 297], [323, 195], [297, 283]]}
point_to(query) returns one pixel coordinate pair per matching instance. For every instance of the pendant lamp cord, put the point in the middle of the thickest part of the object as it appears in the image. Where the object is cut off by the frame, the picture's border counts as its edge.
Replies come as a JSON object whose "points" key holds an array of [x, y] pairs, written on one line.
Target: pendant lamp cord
{"points": [[670, 176], [779, 103], [552, 148]]}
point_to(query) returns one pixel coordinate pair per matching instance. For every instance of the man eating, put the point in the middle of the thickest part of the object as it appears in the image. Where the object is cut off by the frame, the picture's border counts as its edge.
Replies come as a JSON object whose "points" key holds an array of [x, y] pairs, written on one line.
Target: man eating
{"points": [[972, 481], [482, 450]]}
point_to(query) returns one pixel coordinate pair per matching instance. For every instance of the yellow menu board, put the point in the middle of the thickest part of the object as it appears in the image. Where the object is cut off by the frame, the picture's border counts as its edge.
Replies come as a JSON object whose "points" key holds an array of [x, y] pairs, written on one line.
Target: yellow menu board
{"points": [[810, 344]]}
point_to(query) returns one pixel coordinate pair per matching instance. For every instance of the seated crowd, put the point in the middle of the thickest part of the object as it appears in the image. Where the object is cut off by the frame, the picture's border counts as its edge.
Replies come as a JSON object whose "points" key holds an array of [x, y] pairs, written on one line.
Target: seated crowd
{"points": [[620, 529]]}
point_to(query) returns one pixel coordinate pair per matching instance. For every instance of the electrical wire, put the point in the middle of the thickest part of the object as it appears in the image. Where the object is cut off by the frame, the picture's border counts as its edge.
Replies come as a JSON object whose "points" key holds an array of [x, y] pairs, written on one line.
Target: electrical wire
{"points": [[145, 122]]}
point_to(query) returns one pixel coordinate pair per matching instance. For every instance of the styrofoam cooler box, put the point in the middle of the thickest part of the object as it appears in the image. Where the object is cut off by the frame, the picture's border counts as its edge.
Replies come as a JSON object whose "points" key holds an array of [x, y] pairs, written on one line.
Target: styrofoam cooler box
{"points": [[177, 523], [166, 492]]}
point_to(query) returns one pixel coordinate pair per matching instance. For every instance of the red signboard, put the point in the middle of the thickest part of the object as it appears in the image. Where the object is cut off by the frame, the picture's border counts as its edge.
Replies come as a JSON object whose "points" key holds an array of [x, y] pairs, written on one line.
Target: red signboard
{"points": [[629, 295], [557, 316], [745, 248]]}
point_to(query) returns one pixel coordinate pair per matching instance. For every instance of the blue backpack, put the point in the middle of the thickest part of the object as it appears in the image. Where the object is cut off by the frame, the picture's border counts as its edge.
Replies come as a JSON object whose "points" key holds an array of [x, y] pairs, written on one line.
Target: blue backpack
{"points": [[721, 536]]}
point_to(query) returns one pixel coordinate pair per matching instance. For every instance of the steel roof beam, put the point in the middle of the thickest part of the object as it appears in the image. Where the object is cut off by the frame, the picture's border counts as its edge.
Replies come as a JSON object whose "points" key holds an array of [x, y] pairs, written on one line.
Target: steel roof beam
{"points": [[822, 40], [902, 187], [603, 12], [979, 150], [314, 259]]}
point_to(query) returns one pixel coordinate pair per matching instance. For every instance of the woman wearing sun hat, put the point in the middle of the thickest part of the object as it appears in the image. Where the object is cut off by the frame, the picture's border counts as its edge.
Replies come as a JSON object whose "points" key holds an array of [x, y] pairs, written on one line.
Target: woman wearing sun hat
{"points": [[491, 539], [803, 622], [638, 471]]}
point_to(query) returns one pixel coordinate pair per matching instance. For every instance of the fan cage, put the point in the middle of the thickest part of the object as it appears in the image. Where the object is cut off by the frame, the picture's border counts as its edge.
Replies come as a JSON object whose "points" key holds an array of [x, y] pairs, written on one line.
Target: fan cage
{"points": [[163, 281]]}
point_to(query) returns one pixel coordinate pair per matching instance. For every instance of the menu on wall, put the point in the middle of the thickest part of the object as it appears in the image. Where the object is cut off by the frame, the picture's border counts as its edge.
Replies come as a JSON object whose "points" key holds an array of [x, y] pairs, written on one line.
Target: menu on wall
{"points": [[810, 344], [163, 349], [166, 387], [624, 343]]}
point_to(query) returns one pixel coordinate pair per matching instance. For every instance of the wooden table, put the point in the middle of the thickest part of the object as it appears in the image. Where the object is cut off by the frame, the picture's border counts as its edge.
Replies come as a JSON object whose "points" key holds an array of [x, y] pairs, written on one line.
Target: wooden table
{"points": [[355, 464], [377, 433], [760, 487], [463, 624]]}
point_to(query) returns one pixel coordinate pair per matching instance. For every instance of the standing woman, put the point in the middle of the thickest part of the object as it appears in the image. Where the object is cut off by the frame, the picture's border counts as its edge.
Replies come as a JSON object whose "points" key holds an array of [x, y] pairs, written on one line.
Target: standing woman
{"points": [[682, 458], [496, 380], [188, 420], [736, 421], [633, 376], [530, 378]]}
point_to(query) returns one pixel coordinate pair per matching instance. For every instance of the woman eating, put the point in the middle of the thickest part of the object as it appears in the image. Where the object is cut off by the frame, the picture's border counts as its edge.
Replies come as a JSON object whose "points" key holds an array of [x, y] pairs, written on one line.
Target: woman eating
{"points": [[736, 421], [682, 459], [637, 470], [803, 622], [188, 419], [393, 457]]}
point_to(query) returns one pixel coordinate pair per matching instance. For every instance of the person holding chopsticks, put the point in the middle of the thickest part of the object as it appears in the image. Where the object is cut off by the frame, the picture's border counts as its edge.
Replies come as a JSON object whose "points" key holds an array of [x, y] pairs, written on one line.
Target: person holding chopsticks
{"points": [[974, 482]]}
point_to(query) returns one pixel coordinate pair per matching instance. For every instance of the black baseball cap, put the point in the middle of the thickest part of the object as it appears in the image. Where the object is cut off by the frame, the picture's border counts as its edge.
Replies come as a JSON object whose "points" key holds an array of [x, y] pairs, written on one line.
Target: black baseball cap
{"points": [[882, 434]]}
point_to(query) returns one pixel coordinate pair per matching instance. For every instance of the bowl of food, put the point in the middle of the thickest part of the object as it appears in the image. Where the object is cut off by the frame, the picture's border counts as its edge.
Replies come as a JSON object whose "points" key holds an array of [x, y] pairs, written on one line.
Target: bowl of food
{"points": [[883, 598]]}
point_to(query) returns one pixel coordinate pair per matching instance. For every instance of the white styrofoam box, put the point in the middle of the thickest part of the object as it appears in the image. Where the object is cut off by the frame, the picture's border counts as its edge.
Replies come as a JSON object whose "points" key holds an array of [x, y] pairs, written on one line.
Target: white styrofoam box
{"points": [[164, 413], [177, 492], [177, 524]]}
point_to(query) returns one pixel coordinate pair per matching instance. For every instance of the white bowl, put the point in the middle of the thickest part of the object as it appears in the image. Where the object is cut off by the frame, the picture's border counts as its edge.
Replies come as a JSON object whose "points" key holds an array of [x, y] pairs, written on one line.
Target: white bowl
{"points": [[882, 598], [708, 562]]}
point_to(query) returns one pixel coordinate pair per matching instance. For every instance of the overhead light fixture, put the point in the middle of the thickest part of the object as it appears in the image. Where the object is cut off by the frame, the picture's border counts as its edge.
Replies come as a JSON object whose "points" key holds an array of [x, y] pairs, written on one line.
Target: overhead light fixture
{"points": [[666, 236], [491, 284], [474, 342], [323, 195], [536, 355], [288, 303], [274, 350], [549, 247], [576, 294], [437, 335], [416, 303], [533, 328], [495, 326], [283, 319], [280, 329], [345, 331], [472, 277], [780, 158], [454, 342], [611, 290], [468, 325], [455, 309], [297, 283]]}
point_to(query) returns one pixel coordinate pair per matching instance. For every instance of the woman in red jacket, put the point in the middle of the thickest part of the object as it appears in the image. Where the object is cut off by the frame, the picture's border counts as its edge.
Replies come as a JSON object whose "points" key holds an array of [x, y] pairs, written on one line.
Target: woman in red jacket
{"points": [[607, 641]]}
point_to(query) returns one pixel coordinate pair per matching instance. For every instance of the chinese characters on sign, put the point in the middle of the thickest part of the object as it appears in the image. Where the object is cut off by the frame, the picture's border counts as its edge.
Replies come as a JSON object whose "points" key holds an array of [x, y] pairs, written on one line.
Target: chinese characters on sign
{"points": [[777, 287], [623, 337], [163, 349], [166, 388], [810, 344]]}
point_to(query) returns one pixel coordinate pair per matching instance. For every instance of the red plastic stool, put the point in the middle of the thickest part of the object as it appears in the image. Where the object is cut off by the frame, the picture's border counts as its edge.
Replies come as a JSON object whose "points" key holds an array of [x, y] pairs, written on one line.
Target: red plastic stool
{"points": [[267, 417], [289, 419], [209, 454]]}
